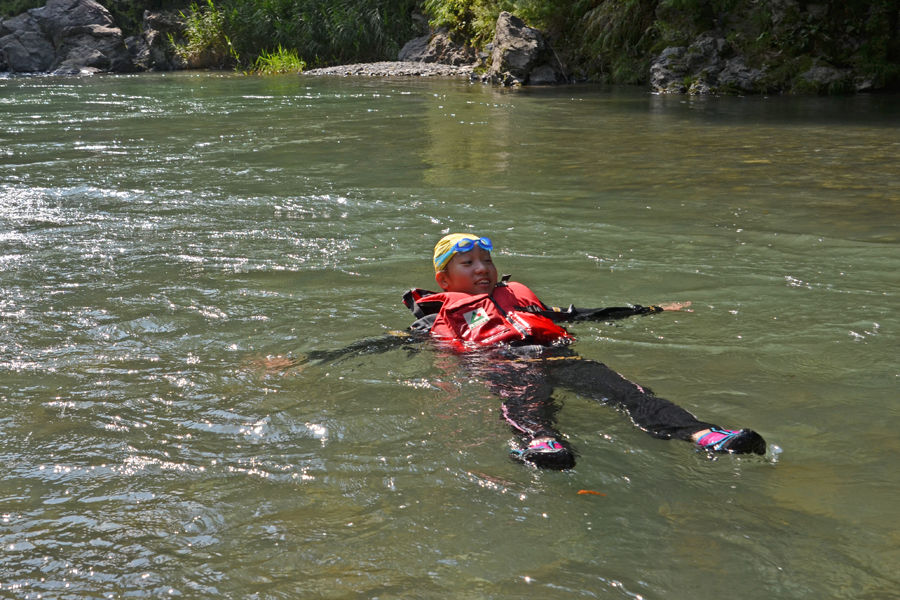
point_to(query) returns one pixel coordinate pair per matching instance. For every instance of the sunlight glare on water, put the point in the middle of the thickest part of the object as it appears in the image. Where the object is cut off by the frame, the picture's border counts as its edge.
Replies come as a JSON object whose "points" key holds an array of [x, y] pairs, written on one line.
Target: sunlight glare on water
{"points": [[177, 252]]}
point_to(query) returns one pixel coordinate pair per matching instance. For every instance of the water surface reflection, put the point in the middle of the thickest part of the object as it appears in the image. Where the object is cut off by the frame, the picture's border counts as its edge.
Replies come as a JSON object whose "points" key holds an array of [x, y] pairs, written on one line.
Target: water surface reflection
{"points": [[174, 248]]}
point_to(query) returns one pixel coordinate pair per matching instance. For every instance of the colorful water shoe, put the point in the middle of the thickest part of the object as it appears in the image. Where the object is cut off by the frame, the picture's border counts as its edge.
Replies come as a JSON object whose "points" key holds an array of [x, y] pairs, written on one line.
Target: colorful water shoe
{"points": [[546, 453], [730, 441]]}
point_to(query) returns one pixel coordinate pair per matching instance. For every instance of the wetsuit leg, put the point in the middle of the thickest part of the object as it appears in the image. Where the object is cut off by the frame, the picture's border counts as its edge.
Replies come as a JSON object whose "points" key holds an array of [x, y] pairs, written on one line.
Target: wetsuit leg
{"points": [[657, 416], [528, 406]]}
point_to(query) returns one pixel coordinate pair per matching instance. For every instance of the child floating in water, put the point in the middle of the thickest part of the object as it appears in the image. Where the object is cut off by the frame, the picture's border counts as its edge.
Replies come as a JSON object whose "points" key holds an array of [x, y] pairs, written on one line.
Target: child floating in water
{"points": [[525, 356]]}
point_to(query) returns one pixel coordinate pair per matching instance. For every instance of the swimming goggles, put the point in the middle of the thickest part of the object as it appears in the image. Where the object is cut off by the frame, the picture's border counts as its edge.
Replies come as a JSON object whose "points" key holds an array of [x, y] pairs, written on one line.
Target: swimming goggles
{"points": [[464, 245]]}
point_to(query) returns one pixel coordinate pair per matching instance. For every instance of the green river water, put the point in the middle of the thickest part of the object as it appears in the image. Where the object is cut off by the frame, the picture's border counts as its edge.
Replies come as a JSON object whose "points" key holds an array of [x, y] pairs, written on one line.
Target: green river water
{"points": [[173, 247]]}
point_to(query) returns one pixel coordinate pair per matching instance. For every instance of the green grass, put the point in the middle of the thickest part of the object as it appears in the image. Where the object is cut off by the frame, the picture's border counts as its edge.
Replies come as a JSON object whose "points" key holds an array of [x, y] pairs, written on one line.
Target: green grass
{"points": [[279, 62]]}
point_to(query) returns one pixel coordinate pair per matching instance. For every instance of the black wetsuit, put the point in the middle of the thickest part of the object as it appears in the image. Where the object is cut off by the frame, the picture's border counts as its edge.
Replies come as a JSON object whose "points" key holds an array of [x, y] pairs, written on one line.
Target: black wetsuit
{"points": [[525, 379]]}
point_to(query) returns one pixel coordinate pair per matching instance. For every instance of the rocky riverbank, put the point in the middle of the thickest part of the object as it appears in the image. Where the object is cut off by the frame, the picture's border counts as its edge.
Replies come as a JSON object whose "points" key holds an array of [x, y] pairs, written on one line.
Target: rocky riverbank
{"points": [[519, 55], [759, 46]]}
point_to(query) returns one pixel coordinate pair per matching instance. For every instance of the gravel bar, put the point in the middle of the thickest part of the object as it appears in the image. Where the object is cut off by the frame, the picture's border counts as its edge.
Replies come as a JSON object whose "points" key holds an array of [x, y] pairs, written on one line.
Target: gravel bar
{"points": [[396, 69]]}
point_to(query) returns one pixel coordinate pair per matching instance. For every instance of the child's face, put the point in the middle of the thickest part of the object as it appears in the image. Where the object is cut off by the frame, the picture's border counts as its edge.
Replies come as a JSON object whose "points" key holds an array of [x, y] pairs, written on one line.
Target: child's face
{"points": [[471, 272]]}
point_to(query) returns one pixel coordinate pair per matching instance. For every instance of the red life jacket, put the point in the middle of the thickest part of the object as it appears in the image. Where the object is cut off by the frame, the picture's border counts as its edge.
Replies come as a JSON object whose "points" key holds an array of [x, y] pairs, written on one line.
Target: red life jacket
{"points": [[484, 319]]}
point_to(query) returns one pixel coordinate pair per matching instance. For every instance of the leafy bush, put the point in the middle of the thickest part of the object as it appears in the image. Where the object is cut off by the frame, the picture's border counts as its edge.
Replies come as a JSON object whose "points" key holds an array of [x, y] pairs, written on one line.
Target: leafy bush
{"points": [[475, 20], [472, 21]]}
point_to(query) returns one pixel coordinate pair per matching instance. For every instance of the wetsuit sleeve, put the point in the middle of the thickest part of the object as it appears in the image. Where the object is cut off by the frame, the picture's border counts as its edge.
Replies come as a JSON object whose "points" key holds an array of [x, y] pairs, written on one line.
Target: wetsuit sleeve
{"points": [[612, 313], [378, 345]]}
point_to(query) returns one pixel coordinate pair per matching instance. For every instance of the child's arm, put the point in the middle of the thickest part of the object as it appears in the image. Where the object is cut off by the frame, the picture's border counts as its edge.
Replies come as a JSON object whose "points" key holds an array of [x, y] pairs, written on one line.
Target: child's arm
{"points": [[604, 314]]}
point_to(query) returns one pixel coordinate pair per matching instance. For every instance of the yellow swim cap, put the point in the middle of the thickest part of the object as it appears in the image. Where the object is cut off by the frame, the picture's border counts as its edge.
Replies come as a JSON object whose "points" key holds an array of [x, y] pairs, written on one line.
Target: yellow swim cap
{"points": [[446, 248]]}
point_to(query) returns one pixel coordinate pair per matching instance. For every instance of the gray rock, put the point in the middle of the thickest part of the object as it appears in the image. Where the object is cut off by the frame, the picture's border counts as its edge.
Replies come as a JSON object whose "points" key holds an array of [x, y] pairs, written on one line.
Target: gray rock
{"points": [[824, 79], [704, 67], [414, 50], [95, 47], [21, 23], [165, 23], [23, 46], [61, 19], [783, 11], [668, 71], [517, 50], [136, 46], [437, 48], [67, 69], [65, 37], [737, 77], [84, 55], [27, 52], [520, 55], [543, 75], [706, 53], [700, 87], [823, 75], [152, 50], [864, 84]]}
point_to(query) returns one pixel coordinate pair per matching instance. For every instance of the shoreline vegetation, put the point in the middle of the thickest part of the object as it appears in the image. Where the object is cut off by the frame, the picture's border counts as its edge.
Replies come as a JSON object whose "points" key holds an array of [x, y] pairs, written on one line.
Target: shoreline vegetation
{"points": [[693, 46]]}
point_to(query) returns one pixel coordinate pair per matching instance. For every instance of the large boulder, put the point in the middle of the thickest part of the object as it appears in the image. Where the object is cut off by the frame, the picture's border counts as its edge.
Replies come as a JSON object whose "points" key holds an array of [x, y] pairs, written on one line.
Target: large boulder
{"points": [[152, 50], [437, 47], [94, 48], [23, 46], [61, 19], [66, 37], [517, 51]]}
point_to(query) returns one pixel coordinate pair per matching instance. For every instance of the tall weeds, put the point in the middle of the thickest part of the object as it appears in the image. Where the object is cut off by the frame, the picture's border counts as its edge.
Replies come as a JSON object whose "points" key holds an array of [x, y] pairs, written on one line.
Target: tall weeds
{"points": [[321, 31], [207, 44], [617, 36]]}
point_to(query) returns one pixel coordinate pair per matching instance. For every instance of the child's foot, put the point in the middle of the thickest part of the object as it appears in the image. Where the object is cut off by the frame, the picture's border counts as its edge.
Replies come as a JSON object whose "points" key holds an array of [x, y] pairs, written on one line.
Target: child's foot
{"points": [[547, 453], [730, 441]]}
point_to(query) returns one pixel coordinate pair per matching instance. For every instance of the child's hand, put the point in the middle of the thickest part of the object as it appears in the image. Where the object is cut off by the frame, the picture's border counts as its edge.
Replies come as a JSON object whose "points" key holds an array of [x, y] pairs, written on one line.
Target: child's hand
{"points": [[676, 306]]}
